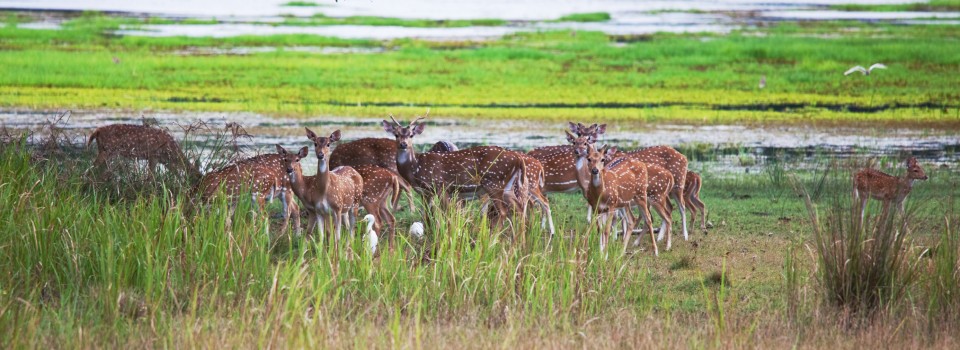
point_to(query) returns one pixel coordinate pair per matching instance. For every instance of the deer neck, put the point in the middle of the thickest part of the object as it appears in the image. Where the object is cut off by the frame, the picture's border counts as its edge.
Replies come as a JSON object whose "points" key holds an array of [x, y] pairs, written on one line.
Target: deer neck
{"points": [[595, 189], [583, 175], [407, 164], [322, 180]]}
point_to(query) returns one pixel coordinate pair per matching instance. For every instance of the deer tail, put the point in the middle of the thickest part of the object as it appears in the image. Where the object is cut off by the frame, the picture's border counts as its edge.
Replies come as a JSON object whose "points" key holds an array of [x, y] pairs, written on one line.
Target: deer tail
{"points": [[93, 136]]}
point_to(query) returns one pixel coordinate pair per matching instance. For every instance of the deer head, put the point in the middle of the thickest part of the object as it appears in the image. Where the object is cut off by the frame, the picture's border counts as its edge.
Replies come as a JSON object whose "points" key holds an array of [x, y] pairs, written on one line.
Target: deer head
{"points": [[597, 159], [403, 134], [914, 171], [322, 144], [291, 160], [592, 131], [580, 144]]}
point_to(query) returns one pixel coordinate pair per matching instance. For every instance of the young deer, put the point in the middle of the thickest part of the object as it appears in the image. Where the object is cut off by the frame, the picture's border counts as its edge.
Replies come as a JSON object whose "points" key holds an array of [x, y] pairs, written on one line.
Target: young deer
{"points": [[691, 193], [659, 185], [378, 185], [474, 171], [533, 183], [262, 176], [559, 163], [615, 184], [331, 196], [888, 189], [141, 142], [676, 164], [371, 151]]}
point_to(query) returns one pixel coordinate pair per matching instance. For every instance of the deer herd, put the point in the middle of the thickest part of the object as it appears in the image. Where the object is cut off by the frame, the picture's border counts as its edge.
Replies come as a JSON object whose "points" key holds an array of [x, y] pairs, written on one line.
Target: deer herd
{"points": [[373, 173]]}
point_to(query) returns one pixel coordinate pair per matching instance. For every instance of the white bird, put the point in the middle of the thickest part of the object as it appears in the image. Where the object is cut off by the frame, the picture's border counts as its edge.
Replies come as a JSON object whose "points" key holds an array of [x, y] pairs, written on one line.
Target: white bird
{"points": [[371, 236], [763, 81], [416, 230], [865, 71]]}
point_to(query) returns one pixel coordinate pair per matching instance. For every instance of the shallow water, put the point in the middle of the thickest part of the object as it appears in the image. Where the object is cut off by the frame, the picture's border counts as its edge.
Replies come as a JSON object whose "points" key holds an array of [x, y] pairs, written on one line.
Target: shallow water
{"points": [[726, 148], [627, 17]]}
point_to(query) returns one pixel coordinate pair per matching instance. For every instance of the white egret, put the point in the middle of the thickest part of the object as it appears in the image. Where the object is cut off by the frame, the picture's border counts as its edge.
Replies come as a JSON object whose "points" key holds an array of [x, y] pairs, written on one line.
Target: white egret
{"points": [[371, 236], [416, 230], [865, 71]]}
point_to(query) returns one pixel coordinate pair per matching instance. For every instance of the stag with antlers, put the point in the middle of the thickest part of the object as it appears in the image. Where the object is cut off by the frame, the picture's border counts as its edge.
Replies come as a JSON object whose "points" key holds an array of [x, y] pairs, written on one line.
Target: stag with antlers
{"points": [[473, 171]]}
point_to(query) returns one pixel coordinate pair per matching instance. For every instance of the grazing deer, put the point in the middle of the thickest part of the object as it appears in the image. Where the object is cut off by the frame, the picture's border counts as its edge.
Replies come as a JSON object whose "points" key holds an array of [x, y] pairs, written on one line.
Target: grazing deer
{"points": [[330, 196], [141, 142], [534, 190], [691, 193], [559, 163], [473, 171], [615, 184], [372, 151], [262, 176], [378, 185], [676, 164], [888, 189], [444, 146]]}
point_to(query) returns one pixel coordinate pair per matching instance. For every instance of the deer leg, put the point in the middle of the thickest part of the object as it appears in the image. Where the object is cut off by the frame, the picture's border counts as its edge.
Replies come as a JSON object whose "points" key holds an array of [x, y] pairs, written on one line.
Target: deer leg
{"points": [[678, 196], [545, 210], [589, 213], [645, 211], [627, 220], [665, 218], [606, 222]]}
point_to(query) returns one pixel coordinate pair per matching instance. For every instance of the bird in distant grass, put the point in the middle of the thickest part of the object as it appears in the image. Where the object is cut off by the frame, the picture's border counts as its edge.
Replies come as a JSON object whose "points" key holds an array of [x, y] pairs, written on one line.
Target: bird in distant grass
{"points": [[865, 71], [763, 81]]}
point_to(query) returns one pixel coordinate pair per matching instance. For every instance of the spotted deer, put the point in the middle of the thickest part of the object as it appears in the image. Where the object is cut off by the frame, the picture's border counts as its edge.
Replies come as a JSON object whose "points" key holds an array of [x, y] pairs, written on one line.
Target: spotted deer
{"points": [[379, 184], [659, 185], [691, 193], [615, 184], [489, 170], [371, 151], [331, 196], [676, 164], [534, 190], [888, 189], [444, 146], [154, 145], [559, 163], [262, 176]]}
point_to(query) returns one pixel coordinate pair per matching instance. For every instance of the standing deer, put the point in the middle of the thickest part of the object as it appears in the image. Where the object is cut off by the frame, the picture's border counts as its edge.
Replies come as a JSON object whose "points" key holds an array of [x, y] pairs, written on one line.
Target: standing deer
{"points": [[371, 151], [330, 196], [659, 185], [262, 176], [560, 168], [473, 171], [691, 193], [888, 189], [141, 142], [378, 185], [676, 164], [615, 184]]}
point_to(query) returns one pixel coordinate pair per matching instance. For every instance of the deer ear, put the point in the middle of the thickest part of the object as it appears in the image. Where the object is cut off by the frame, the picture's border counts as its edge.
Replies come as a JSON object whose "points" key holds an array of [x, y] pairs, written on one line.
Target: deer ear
{"points": [[602, 128], [417, 129], [280, 149], [303, 152], [335, 136], [611, 150], [570, 136], [310, 134], [387, 126], [573, 127]]}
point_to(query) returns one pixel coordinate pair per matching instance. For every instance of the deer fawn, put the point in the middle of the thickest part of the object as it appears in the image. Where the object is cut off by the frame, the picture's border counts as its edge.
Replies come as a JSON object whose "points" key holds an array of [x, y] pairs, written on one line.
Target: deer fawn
{"points": [[676, 164], [372, 151], [141, 142], [330, 196], [691, 193], [262, 176], [615, 184], [378, 185], [473, 171], [888, 189]]}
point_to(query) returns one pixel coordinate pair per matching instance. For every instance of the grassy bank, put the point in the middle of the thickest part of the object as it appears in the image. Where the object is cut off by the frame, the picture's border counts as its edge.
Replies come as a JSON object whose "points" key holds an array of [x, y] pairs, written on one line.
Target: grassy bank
{"points": [[82, 268], [663, 77]]}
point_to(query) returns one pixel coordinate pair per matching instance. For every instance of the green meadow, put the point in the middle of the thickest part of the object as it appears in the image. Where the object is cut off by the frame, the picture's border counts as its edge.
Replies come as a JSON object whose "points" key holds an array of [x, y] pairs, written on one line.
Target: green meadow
{"points": [[545, 75], [126, 260]]}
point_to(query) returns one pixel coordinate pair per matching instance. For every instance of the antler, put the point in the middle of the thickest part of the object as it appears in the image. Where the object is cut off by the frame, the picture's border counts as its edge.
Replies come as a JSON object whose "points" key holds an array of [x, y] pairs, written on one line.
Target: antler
{"points": [[395, 120]]}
